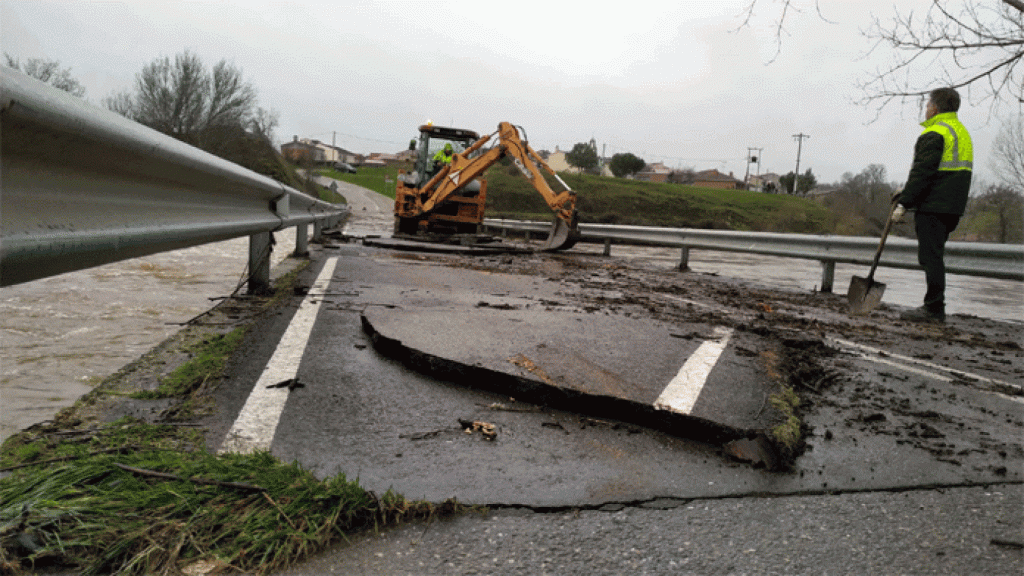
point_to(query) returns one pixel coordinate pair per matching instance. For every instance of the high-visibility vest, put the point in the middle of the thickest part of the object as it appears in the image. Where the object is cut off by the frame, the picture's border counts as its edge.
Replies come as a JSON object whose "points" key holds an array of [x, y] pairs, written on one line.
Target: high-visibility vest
{"points": [[443, 156], [958, 152]]}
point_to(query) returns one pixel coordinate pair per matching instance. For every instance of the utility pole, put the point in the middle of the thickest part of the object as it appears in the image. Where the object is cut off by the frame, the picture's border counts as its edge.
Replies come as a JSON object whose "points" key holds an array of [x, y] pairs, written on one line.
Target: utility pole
{"points": [[751, 159], [799, 145]]}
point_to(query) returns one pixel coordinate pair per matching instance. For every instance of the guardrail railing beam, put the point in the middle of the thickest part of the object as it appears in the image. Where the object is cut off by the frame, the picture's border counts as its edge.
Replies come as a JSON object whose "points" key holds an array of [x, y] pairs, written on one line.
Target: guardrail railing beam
{"points": [[83, 186], [983, 259]]}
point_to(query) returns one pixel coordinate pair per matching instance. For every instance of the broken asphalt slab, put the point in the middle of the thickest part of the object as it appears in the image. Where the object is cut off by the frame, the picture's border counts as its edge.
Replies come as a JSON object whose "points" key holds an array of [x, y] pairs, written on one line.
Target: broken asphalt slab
{"points": [[644, 372], [690, 381]]}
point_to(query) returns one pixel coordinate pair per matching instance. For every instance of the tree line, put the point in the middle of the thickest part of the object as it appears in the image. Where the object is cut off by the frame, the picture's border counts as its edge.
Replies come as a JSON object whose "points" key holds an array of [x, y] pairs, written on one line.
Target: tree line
{"points": [[212, 108]]}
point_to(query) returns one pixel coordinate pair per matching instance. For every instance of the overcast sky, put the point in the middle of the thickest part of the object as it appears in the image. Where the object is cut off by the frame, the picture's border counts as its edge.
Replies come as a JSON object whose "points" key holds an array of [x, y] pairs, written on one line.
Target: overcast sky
{"points": [[678, 82]]}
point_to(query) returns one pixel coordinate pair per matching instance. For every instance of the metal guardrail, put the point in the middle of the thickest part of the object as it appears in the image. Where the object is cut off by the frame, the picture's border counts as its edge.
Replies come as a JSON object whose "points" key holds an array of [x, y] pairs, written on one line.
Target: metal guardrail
{"points": [[1004, 261], [83, 186]]}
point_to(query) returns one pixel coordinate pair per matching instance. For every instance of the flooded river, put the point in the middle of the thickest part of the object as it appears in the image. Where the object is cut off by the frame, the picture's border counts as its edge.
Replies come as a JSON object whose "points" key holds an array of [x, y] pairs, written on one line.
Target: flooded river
{"points": [[62, 335]]}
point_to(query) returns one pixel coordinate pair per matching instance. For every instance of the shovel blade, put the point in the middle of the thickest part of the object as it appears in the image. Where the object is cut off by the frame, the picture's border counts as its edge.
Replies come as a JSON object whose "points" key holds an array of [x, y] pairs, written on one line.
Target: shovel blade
{"points": [[562, 236], [865, 295]]}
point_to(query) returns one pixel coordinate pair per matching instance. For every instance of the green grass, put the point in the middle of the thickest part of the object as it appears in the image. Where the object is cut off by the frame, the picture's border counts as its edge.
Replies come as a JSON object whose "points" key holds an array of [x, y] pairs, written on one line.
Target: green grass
{"points": [[207, 363], [380, 180], [91, 514], [620, 201]]}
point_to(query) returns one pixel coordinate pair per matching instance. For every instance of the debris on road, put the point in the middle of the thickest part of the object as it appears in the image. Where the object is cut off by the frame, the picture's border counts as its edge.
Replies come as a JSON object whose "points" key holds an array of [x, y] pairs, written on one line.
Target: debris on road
{"points": [[291, 384], [489, 431]]}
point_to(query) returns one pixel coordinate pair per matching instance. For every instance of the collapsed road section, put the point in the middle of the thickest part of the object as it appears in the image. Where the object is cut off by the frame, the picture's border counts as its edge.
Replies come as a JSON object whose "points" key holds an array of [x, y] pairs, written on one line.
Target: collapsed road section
{"points": [[687, 380], [572, 380]]}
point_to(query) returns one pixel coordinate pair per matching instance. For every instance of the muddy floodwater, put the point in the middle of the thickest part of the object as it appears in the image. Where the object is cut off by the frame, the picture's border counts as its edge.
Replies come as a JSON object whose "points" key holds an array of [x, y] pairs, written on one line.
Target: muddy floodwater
{"points": [[62, 335]]}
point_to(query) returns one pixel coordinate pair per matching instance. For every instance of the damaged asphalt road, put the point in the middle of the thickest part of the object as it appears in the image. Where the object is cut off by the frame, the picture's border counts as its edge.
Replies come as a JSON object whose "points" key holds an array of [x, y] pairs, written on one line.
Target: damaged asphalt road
{"points": [[903, 469], [864, 425]]}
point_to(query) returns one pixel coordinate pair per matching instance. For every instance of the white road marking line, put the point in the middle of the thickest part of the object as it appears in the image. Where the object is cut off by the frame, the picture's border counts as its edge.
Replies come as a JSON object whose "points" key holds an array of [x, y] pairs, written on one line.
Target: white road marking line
{"points": [[682, 392], [920, 362], [257, 422]]}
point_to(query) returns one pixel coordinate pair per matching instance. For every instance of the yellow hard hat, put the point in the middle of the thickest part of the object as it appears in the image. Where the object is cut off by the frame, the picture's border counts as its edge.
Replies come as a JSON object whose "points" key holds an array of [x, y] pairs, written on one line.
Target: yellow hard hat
{"points": [[447, 147]]}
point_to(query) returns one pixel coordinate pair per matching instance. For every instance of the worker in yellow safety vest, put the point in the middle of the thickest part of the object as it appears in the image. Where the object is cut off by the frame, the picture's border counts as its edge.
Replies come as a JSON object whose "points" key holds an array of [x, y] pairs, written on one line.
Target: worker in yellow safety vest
{"points": [[937, 189], [443, 157]]}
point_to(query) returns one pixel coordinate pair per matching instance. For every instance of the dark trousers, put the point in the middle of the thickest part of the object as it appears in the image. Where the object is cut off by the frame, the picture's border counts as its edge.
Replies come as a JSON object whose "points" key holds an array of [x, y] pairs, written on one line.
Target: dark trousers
{"points": [[933, 231]]}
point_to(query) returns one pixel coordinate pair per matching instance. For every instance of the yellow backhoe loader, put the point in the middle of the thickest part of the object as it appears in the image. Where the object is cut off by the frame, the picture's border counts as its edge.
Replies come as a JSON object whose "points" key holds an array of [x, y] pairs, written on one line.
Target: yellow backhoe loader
{"points": [[445, 194]]}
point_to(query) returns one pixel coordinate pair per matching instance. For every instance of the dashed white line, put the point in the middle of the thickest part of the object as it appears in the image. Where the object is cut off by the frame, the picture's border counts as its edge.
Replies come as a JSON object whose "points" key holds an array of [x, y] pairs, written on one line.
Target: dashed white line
{"points": [[682, 392], [256, 424], [920, 362], [907, 364]]}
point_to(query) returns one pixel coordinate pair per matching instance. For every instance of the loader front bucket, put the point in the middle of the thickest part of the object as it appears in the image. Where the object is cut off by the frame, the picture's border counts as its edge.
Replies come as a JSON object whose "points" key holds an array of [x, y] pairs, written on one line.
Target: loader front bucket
{"points": [[562, 236]]}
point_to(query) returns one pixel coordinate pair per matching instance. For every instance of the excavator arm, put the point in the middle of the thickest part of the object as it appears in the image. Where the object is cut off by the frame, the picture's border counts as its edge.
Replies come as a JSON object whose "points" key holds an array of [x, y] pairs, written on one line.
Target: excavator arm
{"points": [[465, 168]]}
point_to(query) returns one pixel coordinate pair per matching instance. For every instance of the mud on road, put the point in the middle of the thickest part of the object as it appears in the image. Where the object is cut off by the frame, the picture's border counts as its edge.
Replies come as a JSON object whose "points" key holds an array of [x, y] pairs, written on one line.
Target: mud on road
{"points": [[950, 394]]}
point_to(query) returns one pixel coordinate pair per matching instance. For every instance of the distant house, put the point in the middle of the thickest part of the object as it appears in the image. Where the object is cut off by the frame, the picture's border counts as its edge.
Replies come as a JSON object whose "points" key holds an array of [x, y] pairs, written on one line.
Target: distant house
{"points": [[656, 172], [558, 162], [315, 151], [715, 179], [767, 182], [383, 159], [300, 151]]}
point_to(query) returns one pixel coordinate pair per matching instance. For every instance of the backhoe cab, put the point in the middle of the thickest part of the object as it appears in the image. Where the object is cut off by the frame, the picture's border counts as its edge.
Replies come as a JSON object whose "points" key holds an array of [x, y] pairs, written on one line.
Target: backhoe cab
{"points": [[435, 200]]}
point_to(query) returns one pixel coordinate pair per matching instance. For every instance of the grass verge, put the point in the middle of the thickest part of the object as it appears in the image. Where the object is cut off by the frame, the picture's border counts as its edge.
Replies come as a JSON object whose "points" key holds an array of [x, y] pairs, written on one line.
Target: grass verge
{"points": [[134, 497], [380, 180], [208, 359], [137, 498]]}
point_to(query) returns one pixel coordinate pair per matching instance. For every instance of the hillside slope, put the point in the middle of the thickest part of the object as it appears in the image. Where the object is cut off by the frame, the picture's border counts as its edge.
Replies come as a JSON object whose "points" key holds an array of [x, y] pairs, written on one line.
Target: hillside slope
{"points": [[620, 201]]}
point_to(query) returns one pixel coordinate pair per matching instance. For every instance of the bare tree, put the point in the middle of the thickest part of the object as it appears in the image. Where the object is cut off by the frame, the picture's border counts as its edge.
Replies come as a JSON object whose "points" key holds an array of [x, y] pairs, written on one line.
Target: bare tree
{"points": [[1008, 154], [231, 99], [263, 123], [48, 71], [181, 98], [1006, 208], [975, 44]]}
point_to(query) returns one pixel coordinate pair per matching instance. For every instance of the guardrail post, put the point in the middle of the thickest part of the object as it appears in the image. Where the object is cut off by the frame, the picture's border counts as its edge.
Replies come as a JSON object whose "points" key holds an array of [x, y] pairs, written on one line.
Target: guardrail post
{"points": [[301, 240], [260, 246], [607, 246], [828, 275], [684, 259], [318, 229]]}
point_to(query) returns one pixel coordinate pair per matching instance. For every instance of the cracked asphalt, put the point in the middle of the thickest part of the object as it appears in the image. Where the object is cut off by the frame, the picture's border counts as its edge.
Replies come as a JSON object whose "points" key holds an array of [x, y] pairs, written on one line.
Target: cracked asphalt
{"points": [[905, 467], [939, 531]]}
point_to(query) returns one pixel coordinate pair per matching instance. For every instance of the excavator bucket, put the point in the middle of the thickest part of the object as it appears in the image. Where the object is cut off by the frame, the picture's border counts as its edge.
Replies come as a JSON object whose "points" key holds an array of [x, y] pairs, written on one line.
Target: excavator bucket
{"points": [[562, 236]]}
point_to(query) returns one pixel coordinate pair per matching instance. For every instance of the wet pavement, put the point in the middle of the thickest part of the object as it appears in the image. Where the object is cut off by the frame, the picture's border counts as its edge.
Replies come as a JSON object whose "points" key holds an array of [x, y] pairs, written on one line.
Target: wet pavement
{"points": [[396, 422], [907, 429], [906, 452]]}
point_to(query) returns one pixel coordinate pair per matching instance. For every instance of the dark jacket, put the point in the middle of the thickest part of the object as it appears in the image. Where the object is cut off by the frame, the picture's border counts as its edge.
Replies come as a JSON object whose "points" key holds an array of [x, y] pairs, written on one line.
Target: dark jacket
{"points": [[929, 189]]}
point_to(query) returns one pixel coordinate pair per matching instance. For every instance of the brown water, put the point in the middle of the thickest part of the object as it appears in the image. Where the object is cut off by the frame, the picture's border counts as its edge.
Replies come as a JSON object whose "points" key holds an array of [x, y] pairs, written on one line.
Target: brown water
{"points": [[60, 336]]}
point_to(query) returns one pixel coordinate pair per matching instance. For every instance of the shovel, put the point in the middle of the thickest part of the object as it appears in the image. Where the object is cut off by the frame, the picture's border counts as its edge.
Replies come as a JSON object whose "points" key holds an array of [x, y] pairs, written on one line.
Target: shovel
{"points": [[865, 294]]}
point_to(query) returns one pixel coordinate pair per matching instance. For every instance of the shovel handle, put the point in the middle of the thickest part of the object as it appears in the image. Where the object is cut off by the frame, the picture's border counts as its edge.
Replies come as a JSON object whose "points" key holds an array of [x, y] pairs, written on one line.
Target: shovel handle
{"points": [[881, 244]]}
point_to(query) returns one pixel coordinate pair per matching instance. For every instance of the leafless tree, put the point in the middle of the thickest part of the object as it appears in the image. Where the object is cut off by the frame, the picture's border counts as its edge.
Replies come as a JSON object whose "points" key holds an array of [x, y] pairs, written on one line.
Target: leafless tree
{"points": [[263, 123], [48, 71], [1008, 154], [1006, 209], [181, 98], [977, 45]]}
